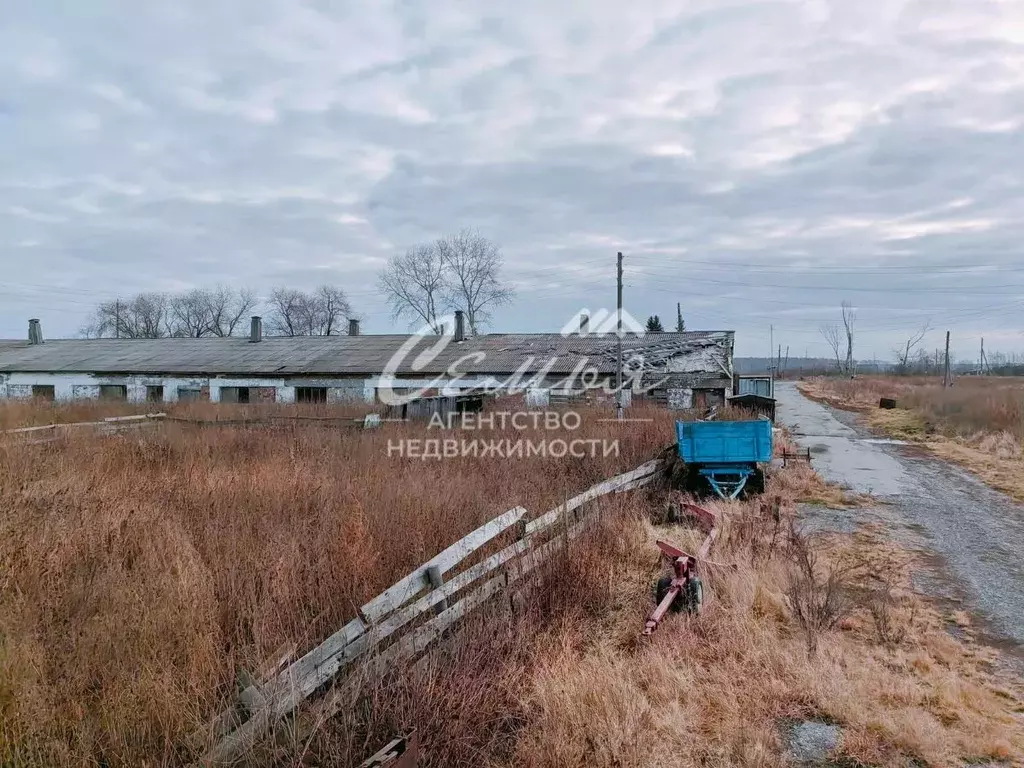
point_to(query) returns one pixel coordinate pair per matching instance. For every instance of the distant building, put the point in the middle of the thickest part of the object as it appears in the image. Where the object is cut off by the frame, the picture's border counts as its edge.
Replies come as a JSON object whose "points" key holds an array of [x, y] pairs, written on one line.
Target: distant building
{"points": [[694, 368]]}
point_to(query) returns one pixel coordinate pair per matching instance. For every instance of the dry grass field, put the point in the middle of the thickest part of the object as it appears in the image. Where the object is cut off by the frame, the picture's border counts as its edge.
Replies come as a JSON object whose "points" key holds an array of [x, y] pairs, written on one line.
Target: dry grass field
{"points": [[140, 572], [978, 422]]}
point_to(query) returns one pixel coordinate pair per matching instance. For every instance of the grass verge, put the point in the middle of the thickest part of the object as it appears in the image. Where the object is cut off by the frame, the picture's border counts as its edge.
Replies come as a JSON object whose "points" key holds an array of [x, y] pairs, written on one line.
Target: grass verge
{"points": [[980, 426]]}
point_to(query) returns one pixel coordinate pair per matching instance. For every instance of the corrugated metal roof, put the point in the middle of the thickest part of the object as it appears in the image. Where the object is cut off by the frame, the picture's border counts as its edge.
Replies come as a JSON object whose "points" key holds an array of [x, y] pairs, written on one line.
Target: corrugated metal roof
{"points": [[361, 355]]}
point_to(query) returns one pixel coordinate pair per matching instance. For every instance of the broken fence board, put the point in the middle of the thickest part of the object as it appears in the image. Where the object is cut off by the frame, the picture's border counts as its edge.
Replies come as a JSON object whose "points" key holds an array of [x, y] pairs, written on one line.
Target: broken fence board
{"points": [[397, 595], [292, 686], [549, 518], [423, 636]]}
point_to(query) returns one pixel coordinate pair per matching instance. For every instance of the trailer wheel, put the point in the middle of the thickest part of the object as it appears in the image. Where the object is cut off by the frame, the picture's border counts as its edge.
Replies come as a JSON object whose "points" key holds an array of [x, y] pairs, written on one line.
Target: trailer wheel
{"points": [[755, 484]]}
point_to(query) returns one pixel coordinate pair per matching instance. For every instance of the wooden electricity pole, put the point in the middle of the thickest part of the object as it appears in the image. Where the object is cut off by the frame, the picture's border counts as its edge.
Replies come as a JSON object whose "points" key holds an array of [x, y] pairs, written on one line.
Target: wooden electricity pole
{"points": [[945, 376], [618, 369]]}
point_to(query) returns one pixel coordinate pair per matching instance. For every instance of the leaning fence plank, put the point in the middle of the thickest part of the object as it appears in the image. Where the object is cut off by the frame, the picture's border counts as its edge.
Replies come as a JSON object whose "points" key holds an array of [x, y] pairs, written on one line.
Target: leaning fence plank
{"points": [[400, 593], [638, 483], [549, 518]]}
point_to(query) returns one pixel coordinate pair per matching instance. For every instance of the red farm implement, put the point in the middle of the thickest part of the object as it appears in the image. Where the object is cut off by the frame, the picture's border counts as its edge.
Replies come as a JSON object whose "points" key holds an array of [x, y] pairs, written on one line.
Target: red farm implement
{"points": [[683, 590]]}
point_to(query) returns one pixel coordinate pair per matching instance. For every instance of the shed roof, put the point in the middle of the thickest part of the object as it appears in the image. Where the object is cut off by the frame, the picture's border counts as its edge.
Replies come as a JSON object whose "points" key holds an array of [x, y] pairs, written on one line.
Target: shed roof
{"points": [[366, 354]]}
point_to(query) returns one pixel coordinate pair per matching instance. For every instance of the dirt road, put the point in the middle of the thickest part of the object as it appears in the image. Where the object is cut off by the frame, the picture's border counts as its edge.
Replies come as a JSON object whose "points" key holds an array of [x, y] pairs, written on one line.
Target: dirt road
{"points": [[975, 535]]}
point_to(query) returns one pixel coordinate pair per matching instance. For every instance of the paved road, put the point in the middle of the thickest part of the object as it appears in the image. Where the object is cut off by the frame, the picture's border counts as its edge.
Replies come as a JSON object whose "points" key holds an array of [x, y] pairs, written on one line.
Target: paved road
{"points": [[975, 533]]}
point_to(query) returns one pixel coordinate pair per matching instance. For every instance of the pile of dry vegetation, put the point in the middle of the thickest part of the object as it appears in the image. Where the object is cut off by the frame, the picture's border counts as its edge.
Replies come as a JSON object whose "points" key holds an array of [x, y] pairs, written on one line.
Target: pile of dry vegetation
{"points": [[978, 422], [138, 574]]}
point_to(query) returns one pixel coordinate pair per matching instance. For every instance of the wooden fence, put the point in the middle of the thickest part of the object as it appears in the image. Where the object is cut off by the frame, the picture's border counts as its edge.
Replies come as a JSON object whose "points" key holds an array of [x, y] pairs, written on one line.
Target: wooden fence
{"points": [[282, 687]]}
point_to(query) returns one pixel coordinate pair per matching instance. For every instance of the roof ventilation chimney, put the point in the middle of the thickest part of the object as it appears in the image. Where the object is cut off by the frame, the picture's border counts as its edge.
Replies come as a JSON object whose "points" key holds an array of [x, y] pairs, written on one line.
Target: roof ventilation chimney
{"points": [[584, 324], [353, 327], [256, 329], [35, 333], [460, 325]]}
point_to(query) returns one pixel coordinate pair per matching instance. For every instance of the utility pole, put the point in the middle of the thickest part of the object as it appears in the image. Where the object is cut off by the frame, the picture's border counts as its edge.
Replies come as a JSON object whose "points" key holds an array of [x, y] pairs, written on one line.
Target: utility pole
{"points": [[618, 368], [785, 365], [945, 377], [981, 363], [778, 363]]}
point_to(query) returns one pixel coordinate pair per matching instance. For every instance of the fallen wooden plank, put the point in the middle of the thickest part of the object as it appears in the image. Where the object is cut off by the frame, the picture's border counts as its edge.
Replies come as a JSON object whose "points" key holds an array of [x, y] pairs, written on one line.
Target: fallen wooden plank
{"points": [[107, 420], [135, 417], [405, 589]]}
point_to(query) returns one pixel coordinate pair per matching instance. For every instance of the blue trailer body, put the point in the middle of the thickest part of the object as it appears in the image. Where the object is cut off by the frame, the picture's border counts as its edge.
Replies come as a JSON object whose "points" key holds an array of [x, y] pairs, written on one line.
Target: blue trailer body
{"points": [[726, 452]]}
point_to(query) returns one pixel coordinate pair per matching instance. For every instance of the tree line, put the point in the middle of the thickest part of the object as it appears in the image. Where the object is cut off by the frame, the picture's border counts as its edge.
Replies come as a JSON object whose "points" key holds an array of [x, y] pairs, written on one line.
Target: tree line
{"points": [[220, 311], [456, 271]]}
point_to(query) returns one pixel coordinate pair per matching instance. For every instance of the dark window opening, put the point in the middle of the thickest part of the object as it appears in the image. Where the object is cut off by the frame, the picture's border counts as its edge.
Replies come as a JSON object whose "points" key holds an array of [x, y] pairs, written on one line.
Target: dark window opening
{"points": [[234, 394], [154, 394], [113, 391], [43, 391], [188, 394], [311, 394]]}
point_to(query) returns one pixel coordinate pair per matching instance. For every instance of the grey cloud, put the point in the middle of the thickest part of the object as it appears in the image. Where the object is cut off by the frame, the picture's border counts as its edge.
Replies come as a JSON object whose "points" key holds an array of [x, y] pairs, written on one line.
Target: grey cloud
{"points": [[272, 142]]}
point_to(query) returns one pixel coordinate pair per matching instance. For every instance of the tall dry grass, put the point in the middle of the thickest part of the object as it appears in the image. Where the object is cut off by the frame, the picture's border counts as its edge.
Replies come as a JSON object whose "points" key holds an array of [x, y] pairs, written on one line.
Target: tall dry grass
{"points": [[140, 573], [971, 406]]}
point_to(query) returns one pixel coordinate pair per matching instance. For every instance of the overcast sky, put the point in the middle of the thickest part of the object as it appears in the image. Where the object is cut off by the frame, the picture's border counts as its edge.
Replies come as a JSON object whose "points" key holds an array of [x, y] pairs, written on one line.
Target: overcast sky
{"points": [[759, 162]]}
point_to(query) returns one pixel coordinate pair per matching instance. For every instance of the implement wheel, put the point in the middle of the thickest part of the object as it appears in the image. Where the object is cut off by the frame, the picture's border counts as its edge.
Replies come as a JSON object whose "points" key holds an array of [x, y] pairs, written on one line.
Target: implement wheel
{"points": [[661, 589]]}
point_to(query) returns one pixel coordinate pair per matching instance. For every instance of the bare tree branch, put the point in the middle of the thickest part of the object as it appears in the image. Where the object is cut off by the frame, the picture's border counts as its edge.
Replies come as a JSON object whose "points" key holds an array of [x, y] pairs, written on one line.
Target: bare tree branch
{"points": [[904, 354], [833, 336]]}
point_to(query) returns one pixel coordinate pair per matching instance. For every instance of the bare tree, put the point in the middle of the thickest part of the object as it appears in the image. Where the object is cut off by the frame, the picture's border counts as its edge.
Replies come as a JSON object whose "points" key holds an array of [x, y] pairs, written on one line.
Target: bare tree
{"points": [[849, 319], [287, 312], [415, 287], [329, 309], [227, 307], [196, 313], [472, 265], [145, 316], [834, 338], [905, 353], [321, 313], [190, 314]]}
